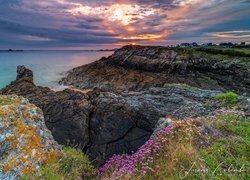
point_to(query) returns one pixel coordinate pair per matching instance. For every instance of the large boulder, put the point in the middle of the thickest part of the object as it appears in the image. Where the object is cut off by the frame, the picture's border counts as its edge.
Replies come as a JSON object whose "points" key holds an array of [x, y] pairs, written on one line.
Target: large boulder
{"points": [[25, 141]]}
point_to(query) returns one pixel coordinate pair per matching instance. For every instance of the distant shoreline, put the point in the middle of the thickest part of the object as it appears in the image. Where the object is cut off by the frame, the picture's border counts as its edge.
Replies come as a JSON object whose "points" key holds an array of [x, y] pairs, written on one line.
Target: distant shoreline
{"points": [[10, 50]]}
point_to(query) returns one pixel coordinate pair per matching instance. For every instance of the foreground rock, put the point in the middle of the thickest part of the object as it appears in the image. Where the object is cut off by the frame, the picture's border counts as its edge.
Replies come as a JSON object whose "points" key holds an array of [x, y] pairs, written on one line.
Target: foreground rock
{"points": [[137, 68], [105, 123], [25, 141]]}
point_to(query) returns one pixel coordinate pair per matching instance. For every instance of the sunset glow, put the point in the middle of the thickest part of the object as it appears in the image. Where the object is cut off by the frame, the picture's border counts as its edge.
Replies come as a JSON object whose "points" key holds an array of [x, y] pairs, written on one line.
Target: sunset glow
{"points": [[66, 24], [142, 37], [124, 13]]}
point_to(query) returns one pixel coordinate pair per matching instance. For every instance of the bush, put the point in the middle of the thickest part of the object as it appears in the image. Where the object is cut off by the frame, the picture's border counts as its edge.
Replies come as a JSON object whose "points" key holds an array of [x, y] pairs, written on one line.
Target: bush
{"points": [[229, 98], [73, 164]]}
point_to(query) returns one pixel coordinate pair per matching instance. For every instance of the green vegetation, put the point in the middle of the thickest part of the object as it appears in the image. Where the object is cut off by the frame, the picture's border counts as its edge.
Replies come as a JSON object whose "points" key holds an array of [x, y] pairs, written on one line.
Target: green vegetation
{"points": [[225, 51], [178, 152], [229, 156], [213, 53], [188, 154], [5, 101], [228, 99], [73, 164]]}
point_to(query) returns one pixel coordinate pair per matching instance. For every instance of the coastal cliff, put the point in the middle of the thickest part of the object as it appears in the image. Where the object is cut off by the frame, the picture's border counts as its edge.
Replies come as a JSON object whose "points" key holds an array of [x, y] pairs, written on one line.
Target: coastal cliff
{"points": [[140, 67], [117, 103]]}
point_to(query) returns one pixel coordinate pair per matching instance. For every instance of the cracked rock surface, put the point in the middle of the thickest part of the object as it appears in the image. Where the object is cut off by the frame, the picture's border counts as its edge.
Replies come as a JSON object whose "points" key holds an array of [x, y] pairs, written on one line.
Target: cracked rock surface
{"points": [[104, 123], [116, 102]]}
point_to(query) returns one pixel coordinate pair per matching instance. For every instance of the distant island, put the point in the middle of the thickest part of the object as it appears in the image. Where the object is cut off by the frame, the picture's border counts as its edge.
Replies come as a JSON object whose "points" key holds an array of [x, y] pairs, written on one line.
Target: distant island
{"points": [[12, 50]]}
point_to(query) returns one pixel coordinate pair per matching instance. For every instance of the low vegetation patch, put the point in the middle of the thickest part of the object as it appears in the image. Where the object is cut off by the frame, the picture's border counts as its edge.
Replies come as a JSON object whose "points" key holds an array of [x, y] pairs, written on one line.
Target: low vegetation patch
{"points": [[229, 52], [5, 101], [184, 151], [73, 164], [228, 99]]}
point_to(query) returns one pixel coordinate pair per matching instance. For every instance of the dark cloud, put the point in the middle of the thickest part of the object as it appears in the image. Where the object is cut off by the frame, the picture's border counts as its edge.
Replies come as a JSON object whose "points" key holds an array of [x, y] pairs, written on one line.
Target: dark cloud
{"points": [[38, 24]]}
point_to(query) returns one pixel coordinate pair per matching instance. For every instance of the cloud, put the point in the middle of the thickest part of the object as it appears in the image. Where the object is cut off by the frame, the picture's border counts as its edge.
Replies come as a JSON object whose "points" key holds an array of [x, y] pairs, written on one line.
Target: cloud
{"points": [[231, 34], [123, 13], [81, 23], [34, 38]]}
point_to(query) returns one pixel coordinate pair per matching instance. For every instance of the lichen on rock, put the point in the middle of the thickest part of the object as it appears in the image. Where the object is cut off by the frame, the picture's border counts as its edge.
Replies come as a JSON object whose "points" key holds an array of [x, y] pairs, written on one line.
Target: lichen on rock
{"points": [[25, 141]]}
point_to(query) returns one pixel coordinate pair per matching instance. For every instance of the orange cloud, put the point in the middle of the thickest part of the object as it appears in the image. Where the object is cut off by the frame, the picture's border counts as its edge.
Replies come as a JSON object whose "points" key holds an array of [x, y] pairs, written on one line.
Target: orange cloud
{"points": [[124, 13], [232, 34], [142, 37]]}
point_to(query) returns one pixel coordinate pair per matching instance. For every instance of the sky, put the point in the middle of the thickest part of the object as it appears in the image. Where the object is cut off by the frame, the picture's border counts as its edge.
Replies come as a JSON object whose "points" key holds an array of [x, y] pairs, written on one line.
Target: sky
{"points": [[98, 24]]}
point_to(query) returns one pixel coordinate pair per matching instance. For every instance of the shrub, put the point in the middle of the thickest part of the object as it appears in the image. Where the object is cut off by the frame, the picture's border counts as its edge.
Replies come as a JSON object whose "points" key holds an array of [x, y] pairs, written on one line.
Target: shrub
{"points": [[73, 164], [229, 98]]}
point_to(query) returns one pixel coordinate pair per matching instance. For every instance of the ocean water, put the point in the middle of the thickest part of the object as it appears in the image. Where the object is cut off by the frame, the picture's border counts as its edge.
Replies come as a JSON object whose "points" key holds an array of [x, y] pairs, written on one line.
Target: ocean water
{"points": [[48, 66]]}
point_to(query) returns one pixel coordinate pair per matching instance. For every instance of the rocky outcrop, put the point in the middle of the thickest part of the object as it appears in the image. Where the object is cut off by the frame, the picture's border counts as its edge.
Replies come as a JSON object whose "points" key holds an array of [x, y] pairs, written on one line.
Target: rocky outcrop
{"points": [[104, 123], [25, 141], [24, 73], [137, 68], [66, 112], [118, 102]]}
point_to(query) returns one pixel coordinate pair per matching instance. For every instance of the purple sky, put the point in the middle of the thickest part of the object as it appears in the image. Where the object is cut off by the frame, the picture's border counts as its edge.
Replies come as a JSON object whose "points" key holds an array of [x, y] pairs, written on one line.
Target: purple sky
{"points": [[95, 24]]}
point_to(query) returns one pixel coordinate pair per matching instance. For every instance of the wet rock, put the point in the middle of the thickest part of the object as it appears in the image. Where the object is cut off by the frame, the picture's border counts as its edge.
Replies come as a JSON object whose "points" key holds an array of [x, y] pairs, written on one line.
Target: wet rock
{"points": [[24, 73]]}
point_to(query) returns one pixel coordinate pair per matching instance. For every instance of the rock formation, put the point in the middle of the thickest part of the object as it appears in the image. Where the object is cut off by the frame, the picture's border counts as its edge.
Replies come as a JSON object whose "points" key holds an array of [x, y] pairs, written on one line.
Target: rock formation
{"points": [[105, 123], [117, 101], [137, 67], [25, 141]]}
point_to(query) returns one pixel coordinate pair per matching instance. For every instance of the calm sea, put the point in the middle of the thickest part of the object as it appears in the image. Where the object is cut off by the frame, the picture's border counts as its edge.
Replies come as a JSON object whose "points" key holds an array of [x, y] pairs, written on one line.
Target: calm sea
{"points": [[48, 66]]}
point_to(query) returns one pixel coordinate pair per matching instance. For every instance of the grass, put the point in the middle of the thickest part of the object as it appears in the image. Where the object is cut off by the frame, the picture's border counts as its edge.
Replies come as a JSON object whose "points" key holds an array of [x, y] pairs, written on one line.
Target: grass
{"points": [[228, 99], [212, 53], [225, 51], [225, 157], [229, 157], [73, 164], [5, 101]]}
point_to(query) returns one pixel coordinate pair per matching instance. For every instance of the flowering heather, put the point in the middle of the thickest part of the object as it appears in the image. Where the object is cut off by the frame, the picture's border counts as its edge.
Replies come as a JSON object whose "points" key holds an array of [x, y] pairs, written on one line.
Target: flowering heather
{"points": [[140, 161], [188, 149]]}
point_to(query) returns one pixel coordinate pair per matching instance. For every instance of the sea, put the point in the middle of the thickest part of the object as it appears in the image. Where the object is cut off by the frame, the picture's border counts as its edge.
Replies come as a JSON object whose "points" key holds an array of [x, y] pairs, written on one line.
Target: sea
{"points": [[48, 66]]}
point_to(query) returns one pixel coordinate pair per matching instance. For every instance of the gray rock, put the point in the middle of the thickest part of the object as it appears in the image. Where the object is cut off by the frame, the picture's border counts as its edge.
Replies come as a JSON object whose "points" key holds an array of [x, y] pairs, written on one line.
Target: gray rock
{"points": [[161, 124], [137, 68], [25, 141]]}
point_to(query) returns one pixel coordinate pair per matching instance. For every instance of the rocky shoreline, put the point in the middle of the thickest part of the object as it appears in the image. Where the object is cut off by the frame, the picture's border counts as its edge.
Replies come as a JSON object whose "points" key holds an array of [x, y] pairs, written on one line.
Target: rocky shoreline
{"points": [[117, 102], [139, 67]]}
